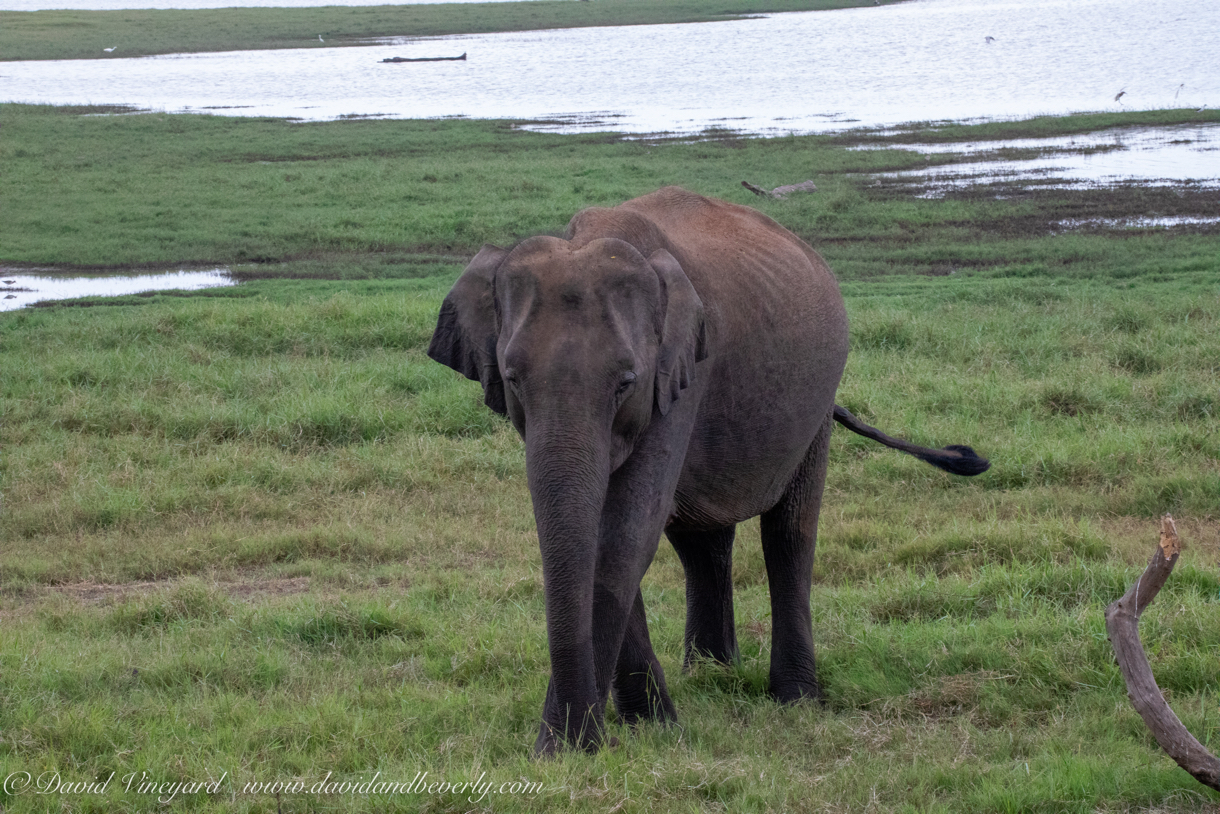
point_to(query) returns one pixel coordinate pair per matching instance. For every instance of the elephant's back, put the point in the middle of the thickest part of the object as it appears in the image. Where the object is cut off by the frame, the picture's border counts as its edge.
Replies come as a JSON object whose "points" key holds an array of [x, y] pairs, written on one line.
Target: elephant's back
{"points": [[758, 281], [778, 340]]}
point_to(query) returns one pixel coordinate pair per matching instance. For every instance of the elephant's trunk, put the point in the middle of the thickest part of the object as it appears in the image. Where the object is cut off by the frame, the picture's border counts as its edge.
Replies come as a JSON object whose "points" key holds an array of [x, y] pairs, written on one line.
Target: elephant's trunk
{"points": [[567, 477]]}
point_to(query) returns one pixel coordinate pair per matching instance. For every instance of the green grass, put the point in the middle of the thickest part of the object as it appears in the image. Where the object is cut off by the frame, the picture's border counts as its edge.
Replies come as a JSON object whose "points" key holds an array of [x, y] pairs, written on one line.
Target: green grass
{"points": [[142, 32], [379, 195], [254, 535]]}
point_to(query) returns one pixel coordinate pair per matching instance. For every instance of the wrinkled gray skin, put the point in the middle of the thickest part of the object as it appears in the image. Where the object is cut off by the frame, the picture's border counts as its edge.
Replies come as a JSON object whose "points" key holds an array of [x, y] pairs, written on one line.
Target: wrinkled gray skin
{"points": [[672, 367]]}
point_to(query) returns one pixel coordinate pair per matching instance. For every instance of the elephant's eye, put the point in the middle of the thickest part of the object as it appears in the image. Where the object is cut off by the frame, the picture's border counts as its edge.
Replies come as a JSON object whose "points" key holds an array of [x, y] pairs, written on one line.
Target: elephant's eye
{"points": [[625, 384]]}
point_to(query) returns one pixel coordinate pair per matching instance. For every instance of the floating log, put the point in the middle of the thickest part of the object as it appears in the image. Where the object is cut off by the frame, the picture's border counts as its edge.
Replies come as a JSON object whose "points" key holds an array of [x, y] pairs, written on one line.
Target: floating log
{"points": [[462, 58]]}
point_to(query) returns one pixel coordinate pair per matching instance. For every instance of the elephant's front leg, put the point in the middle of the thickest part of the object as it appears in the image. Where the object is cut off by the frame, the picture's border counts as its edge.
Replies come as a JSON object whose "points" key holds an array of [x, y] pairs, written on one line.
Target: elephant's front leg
{"points": [[595, 620], [638, 503], [639, 687], [592, 590], [619, 654], [637, 507]]}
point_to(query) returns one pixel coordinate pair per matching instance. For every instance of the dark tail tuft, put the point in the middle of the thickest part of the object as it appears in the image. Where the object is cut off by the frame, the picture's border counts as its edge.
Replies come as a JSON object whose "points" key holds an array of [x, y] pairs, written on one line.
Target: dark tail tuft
{"points": [[955, 458]]}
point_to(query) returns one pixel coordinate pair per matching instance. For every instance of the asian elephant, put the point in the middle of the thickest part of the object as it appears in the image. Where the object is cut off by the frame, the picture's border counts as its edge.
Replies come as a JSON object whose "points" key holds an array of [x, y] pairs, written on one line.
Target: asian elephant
{"points": [[671, 365]]}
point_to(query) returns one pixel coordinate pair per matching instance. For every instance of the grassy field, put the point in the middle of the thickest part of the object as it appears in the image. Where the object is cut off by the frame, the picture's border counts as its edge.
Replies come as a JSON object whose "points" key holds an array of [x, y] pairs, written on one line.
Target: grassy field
{"points": [[140, 32], [253, 536]]}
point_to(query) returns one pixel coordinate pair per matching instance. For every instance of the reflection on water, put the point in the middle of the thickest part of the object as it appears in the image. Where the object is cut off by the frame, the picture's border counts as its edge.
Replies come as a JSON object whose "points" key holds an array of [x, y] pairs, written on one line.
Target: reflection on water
{"points": [[19, 289], [799, 72], [1175, 155]]}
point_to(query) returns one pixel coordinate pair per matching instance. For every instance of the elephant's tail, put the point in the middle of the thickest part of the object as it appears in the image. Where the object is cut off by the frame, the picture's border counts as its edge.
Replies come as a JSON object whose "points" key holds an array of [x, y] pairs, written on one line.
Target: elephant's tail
{"points": [[954, 458]]}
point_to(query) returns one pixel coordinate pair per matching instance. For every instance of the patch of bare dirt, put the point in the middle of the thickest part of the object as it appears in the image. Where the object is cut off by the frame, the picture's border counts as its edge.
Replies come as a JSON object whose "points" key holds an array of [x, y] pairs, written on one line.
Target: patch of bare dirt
{"points": [[954, 695], [95, 593]]}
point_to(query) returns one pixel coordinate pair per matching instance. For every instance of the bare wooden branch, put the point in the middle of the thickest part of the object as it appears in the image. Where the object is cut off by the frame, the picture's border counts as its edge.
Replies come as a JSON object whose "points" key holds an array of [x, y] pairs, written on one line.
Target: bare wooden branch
{"points": [[781, 192], [1122, 625], [787, 189]]}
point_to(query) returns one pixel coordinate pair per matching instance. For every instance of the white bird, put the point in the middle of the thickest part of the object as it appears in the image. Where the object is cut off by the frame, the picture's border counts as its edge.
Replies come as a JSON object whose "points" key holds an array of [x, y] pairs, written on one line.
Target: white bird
{"points": [[320, 38], [989, 40], [108, 50]]}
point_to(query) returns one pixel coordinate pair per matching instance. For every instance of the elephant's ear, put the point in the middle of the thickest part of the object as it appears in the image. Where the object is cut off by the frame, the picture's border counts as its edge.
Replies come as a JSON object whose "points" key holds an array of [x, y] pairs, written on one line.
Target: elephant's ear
{"points": [[465, 335], [683, 335]]}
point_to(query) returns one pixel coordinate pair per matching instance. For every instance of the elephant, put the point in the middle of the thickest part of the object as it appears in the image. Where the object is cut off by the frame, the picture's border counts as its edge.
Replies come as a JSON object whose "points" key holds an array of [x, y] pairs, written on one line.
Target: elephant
{"points": [[671, 365]]}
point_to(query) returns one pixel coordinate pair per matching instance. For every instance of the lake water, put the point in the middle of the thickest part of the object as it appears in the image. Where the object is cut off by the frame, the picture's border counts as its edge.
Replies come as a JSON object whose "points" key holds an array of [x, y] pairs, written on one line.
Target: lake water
{"points": [[1182, 155], [21, 288], [924, 60], [800, 72], [117, 5]]}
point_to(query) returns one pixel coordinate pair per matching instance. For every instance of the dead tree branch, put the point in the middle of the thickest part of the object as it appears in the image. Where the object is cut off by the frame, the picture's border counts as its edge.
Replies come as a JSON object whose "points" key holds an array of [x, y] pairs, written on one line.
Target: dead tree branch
{"points": [[1122, 625], [780, 192]]}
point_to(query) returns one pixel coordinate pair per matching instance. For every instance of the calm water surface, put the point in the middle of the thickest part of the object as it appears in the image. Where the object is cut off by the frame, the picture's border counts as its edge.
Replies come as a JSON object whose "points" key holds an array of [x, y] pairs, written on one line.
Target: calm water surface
{"points": [[801, 72], [115, 5], [21, 288], [1183, 155]]}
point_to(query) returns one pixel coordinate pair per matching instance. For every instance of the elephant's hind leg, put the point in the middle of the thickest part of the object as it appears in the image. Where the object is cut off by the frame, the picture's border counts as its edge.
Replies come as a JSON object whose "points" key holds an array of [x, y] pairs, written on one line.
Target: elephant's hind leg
{"points": [[639, 687], [707, 559], [789, 535]]}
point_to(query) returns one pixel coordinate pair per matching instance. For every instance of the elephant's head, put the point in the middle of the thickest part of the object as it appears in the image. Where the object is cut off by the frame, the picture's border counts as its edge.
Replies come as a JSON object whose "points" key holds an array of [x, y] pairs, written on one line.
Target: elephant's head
{"points": [[586, 341], [583, 347]]}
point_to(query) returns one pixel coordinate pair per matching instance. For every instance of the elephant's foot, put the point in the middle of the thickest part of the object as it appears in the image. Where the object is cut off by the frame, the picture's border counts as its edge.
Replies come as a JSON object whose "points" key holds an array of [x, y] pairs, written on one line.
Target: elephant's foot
{"points": [[548, 743], [663, 713], [551, 741], [724, 654], [640, 698], [795, 690], [568, 725]]}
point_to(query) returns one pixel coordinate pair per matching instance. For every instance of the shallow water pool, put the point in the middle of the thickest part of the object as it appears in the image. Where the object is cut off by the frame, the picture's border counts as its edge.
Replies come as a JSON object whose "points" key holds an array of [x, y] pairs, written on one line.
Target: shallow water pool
{"points": [[26, 287]]}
